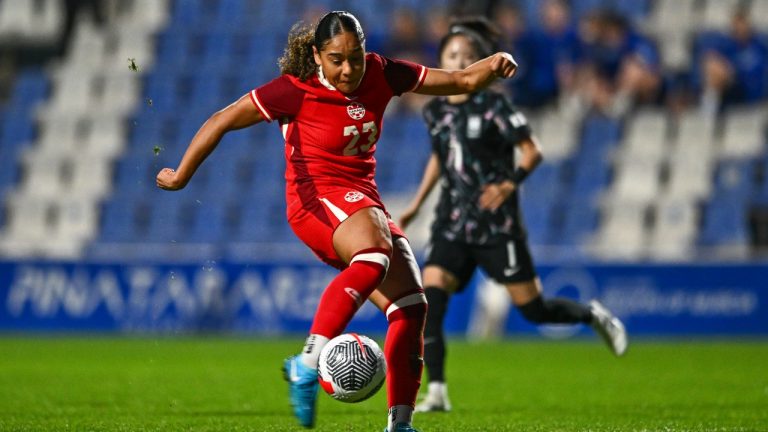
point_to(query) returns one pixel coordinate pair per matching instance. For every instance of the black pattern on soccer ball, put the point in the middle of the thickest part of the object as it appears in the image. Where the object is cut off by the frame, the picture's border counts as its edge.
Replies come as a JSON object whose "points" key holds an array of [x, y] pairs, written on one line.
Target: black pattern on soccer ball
{"points": [[350, 368]]}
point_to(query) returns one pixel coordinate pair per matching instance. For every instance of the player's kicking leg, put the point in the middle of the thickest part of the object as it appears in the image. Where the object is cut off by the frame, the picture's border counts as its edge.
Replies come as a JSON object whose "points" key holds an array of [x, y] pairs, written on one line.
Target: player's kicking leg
{"points": [[302, 384], [359, 241]]}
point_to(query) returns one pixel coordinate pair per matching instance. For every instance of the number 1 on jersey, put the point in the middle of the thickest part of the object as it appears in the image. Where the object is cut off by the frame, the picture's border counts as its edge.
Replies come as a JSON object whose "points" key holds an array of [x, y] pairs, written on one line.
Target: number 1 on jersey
{"points": [[352, 148]]}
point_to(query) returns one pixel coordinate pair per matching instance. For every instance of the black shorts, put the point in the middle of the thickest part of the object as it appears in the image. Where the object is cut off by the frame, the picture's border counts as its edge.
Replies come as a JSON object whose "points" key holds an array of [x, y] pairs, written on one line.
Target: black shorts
{"points": [[505, 262]]}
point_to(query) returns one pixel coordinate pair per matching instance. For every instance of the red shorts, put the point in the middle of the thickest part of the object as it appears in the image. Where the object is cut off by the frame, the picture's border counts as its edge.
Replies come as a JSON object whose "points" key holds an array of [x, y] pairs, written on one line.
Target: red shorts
{"points": [[315, 224]]}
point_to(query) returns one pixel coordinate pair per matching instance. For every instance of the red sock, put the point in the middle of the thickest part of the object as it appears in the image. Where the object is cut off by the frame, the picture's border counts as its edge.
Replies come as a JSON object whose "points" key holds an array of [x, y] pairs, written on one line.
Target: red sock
{"points": [[404, 348], [348, 291]]}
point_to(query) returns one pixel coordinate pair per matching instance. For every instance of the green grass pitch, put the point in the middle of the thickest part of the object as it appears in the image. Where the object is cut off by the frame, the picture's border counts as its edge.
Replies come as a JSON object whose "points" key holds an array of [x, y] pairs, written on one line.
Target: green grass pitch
{"points": [[221, 384]]}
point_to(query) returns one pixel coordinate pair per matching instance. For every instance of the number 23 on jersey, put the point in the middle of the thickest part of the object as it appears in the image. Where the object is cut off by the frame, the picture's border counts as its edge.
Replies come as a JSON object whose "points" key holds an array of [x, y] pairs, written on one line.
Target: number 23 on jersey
{"points": [[354, 147]]}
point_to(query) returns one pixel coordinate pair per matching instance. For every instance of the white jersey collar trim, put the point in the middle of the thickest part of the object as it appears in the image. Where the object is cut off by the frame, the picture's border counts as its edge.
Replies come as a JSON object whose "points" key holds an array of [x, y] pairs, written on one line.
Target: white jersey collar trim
{"points": [[324, 81]]}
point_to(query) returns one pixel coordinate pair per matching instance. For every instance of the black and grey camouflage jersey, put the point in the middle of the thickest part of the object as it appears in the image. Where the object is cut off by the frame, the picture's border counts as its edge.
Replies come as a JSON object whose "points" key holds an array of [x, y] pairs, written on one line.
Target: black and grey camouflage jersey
{"points": [[475, 143]]}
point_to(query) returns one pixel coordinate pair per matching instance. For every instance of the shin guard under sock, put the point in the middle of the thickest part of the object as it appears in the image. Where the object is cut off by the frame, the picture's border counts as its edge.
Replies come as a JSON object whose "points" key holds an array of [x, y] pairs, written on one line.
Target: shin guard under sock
{"points": [[348, 291], [403, 348]]}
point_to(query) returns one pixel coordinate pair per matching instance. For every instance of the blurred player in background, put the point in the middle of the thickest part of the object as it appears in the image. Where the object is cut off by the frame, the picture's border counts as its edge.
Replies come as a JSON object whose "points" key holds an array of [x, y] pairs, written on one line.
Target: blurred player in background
{"points": [[474, 138], [329, 102]]}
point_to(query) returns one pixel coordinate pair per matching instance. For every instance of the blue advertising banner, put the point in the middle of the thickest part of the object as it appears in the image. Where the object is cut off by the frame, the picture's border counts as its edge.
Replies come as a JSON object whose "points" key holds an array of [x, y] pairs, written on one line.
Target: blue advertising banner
{"points": [[280, 298], [665, 299]]}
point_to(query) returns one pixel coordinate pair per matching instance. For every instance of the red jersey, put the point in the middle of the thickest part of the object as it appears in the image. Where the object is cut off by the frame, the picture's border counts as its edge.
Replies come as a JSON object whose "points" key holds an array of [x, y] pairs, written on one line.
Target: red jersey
{"points": [[330, 136]]}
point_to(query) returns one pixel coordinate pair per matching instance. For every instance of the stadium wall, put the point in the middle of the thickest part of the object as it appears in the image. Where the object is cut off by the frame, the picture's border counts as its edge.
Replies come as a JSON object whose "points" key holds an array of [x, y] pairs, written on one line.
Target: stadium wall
{"points": [[279, 298]]}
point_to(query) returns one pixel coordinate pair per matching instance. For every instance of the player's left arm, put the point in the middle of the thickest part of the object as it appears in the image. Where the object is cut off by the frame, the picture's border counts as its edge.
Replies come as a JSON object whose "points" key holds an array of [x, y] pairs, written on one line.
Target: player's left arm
{"points": [[494, 194], [477, 76], [514, 128], [238, 115]]}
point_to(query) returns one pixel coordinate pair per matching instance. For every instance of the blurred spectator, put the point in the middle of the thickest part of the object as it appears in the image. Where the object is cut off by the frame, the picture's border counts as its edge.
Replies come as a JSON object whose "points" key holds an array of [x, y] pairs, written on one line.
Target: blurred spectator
{"points": [[407, 40], [619, 67], [733, 66], [474, 7], [510, 22], [546, 56], [438, 25]]}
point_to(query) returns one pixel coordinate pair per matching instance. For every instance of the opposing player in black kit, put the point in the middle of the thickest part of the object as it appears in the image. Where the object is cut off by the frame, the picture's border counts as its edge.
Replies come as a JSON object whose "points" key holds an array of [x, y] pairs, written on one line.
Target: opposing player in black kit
{"points": [[478, 221]]}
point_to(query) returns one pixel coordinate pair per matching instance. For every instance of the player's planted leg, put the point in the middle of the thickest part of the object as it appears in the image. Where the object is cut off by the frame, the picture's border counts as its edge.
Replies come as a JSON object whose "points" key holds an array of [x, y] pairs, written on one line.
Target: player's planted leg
{"points": [[401, 427], [404, 349], [434, 352]]}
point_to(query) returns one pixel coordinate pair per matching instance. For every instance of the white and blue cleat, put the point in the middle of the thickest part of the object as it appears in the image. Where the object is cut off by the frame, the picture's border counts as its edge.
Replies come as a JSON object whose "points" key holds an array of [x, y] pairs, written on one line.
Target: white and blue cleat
{"points": [[302, 384]]}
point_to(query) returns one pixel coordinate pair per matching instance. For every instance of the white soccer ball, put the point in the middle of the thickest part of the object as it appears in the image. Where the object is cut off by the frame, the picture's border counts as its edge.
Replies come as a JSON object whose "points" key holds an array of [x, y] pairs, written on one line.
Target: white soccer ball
{"points": [[352, 367]]}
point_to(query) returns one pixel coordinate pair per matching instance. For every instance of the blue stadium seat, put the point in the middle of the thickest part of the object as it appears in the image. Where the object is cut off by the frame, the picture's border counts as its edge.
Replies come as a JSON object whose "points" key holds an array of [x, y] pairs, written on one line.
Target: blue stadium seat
{"points": [[274, 16], [588, 177], [254, 222], [164, 90], [134, 173], [30, 87], [230, 90], [761, 188], [2, 208], [537, 215], [262, 174], [735, 177], [578, 220], [601, 130], [415, 128], [175, 50], [207, 92], [217, 50], [219, 178], [725, 221], [148, 129], [260, 58], [237, 145], [170, 218], [189, 14], [636, 10], [210, 223], [16, 128], [9, 169], [230, 12], [545, 180], [120, 221], [407, 171]]}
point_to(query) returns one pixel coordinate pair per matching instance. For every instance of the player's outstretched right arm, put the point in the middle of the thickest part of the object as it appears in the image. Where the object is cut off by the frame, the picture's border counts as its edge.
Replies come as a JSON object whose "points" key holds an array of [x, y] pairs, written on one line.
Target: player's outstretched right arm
{"points": [[428, 180], [236, 116]]}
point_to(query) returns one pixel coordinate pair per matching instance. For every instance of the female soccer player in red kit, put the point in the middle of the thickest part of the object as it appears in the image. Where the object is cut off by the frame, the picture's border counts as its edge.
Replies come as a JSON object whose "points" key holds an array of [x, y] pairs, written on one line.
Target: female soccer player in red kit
{"points": [[329, 102]]}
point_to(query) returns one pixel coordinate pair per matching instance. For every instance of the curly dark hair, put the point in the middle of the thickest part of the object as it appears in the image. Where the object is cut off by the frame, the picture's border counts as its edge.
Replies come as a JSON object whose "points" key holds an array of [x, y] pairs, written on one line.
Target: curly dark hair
{"points": [[298, 59]]}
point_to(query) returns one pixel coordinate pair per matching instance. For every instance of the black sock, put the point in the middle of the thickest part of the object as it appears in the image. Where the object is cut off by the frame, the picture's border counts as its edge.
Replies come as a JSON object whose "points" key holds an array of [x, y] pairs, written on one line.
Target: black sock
{"points": [[555, 311], [434, 341]]}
